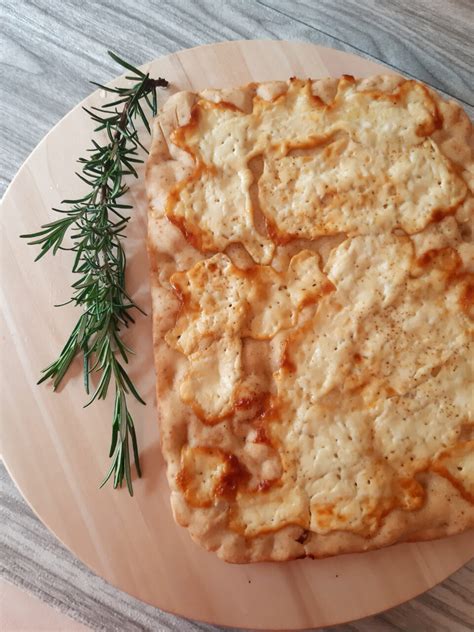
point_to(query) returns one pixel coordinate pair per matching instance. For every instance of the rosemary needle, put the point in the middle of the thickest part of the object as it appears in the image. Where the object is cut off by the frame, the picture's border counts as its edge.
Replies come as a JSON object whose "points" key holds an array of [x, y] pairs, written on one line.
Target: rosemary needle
{"points": [[95, 224]]}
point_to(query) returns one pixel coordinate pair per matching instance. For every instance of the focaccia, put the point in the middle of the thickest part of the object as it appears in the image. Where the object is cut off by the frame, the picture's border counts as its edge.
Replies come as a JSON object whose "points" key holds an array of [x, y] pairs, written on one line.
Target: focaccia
{"points": [[312, 286]]}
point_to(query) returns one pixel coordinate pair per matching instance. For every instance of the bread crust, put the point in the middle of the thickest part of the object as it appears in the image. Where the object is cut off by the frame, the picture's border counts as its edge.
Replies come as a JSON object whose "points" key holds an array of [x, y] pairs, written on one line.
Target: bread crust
{"points": [[445, 510]]}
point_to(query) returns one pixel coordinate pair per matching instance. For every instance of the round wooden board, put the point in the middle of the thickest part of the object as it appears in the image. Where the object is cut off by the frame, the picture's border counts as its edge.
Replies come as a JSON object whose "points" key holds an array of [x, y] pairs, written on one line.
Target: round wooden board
{"points": [[56, 451]]}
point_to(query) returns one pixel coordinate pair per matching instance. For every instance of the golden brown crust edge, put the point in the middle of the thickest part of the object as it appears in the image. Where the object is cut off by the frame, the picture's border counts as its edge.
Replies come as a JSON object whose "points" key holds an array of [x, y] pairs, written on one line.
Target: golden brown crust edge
{"points": [[445, 511]]}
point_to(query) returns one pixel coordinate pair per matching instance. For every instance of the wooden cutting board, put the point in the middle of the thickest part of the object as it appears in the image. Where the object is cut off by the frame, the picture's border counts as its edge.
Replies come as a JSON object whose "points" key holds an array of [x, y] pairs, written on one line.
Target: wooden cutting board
{"points": [[56, 451]]}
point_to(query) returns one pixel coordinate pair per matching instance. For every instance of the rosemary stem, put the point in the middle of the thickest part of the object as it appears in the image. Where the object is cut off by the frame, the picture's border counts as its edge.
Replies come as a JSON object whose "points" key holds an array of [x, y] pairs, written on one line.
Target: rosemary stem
{"points": [[95, 225]]}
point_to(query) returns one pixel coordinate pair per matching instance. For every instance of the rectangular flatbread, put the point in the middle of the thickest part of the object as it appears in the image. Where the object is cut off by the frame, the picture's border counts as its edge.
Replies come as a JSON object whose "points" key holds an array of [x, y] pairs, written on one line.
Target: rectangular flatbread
{"points": [[311, 272]]}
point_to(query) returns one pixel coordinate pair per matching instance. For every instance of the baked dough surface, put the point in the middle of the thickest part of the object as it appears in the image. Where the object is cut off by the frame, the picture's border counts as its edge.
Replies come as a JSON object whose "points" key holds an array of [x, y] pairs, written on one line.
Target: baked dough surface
{"points": [[312, 284]]}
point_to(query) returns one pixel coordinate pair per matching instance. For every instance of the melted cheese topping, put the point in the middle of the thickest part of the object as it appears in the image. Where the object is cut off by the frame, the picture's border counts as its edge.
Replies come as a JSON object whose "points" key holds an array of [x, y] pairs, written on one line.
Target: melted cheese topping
{"points": [[457, 465], [373, 382], [440, 406], [202, 471], [221, 305], [282, 505], [348, 485], [362, 164], [214, 382], [348, 188], [375, 339]]}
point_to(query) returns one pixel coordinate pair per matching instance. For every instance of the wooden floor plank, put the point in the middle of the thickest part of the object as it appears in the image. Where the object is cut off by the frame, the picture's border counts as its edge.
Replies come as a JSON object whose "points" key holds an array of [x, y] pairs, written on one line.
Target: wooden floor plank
{"points": [[431, 40]]}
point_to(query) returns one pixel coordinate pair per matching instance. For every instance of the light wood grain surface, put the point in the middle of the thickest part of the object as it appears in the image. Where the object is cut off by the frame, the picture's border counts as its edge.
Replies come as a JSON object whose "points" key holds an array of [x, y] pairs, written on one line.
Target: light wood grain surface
{"points": [[74, 38]]}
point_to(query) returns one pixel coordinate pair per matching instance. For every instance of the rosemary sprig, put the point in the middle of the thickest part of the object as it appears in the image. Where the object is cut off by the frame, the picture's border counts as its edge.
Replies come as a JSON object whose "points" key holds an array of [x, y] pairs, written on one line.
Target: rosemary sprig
{"points": [[94, 225]]}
